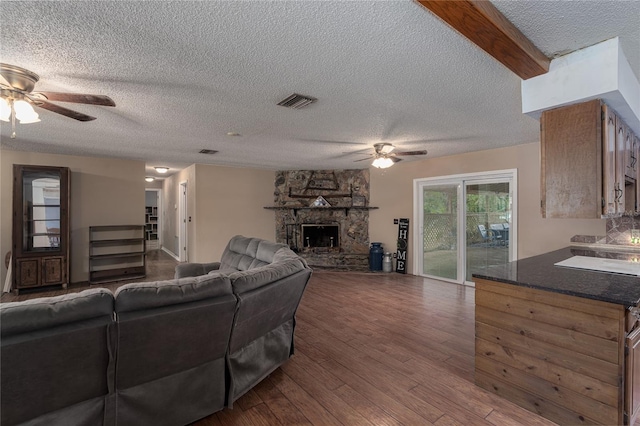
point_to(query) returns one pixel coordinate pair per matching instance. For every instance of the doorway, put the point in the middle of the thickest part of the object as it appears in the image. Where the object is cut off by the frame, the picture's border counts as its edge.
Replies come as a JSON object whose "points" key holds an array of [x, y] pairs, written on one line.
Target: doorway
{"points": [[152, 218], [182, 220], [465, 224]]}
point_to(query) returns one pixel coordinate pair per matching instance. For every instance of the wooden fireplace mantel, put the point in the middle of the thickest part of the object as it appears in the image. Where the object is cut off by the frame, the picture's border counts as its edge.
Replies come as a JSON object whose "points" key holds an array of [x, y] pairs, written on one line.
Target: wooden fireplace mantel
{"points": [[295, 209]]}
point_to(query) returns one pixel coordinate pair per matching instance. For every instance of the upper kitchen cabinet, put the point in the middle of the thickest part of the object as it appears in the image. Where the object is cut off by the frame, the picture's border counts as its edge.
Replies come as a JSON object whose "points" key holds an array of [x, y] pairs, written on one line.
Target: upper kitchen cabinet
{"points": [[629, 144], [612, 176], [40, 226], [588, 162], [571, 146], [636, 145]]}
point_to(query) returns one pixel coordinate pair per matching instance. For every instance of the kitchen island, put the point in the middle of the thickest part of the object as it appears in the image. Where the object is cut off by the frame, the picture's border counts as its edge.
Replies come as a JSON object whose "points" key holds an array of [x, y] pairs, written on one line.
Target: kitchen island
{"points": [[560, 342]]}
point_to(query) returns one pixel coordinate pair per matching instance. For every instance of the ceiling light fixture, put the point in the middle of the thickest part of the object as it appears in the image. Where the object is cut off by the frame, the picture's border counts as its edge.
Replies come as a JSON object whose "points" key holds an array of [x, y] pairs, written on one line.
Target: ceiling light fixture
{"points": [[149, 178], [382, 162], [161, 169], [12, 108]]}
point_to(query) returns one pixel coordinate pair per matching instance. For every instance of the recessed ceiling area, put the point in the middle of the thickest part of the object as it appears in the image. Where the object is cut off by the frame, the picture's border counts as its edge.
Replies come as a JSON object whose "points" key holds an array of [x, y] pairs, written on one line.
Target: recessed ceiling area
{"points": [[184, 75]]}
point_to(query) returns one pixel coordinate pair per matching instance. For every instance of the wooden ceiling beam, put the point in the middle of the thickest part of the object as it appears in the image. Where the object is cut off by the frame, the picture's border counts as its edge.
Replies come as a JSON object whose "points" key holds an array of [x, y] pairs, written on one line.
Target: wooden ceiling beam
{"points": [[484, 25]]}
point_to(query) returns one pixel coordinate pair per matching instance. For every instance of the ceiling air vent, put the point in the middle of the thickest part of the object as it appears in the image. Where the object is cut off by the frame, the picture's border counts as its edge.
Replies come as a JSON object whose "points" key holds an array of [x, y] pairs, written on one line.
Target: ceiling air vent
{"points": [[208, 151], [297, 101]]}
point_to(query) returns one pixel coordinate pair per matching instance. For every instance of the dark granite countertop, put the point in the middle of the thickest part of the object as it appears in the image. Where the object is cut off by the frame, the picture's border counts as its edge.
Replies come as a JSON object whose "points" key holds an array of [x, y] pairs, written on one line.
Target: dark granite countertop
{"points": [[540, 273]]}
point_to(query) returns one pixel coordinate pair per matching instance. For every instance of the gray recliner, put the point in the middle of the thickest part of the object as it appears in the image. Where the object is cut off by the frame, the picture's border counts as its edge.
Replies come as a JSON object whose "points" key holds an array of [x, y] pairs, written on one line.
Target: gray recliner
{"points": [[57, 357], [173, 337], [240, 254], [268, 279]]}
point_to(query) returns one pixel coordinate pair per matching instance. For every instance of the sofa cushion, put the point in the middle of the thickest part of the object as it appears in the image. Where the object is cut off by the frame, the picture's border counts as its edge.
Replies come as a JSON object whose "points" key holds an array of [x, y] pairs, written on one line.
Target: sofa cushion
{"points": [[243, 253], [149, 295], [48, 312], [243, 281], [57, 359], [194, 269]]}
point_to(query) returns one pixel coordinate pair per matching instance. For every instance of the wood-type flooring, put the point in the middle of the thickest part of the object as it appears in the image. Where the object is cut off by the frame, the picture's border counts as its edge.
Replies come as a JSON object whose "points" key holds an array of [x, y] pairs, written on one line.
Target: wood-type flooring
{"points": [[378, 349], [370, 349]]}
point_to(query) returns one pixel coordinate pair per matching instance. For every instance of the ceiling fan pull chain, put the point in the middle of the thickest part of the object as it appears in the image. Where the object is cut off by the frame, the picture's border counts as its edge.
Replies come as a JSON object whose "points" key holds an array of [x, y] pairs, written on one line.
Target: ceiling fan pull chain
{"points": [[13, 121]]}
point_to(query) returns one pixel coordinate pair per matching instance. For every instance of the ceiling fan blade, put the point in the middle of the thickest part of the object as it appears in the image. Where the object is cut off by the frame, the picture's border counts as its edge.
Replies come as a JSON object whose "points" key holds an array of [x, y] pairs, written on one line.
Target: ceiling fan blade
{"points": [[423, 152], [360, 151], [61, 110], [362, 159], [78, 98], [330, 141], [395, 159]]}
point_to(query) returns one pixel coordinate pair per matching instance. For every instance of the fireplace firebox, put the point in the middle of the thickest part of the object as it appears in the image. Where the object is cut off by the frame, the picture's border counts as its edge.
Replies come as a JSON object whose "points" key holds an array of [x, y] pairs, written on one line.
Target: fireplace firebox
{"points": [[320, 235]]}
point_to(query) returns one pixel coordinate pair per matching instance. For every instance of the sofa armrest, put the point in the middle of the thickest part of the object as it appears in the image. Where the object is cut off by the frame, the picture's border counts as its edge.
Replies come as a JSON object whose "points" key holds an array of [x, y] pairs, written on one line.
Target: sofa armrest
{"points": [[195, 269]]}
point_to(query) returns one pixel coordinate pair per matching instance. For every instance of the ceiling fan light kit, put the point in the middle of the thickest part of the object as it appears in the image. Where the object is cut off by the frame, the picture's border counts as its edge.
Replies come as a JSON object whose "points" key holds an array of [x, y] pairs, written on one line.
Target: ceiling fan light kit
{"points": [[17, 98], [25, 112], [382, 162], [385, 158]]}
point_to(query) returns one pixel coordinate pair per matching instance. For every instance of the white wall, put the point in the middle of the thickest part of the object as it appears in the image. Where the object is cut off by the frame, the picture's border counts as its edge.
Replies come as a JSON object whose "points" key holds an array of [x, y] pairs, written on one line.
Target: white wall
{"points": [[222, 202], [231, 201]]}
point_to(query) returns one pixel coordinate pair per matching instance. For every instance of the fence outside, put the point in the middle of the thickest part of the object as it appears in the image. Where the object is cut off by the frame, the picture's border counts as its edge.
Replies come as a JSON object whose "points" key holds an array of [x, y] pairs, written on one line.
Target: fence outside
{"points": [[439, 229]]}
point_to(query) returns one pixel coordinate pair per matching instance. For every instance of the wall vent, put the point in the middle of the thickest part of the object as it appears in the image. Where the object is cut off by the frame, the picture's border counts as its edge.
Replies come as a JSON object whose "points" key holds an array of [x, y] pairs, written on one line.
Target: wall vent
{"points": [[297, 101], [208, 151]]}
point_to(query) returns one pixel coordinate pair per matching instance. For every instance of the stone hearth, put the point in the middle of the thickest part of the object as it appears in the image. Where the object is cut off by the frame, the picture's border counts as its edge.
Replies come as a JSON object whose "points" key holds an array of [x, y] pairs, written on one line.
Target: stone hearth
{"points": [[343, 207]]}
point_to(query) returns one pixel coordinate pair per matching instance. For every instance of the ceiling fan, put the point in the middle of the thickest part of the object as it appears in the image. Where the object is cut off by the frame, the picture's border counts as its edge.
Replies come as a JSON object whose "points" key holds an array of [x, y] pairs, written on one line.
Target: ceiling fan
{"points": [[386, 157], [17, 98]]}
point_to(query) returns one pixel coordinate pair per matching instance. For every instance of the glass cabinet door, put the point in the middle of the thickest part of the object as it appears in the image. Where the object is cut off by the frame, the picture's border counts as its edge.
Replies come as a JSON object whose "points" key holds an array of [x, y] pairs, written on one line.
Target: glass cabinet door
{"points": [[41, 210]]}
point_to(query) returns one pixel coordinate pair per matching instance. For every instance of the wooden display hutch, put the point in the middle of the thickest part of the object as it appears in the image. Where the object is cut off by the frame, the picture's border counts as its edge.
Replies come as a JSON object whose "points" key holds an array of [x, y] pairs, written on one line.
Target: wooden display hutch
{"points": [[116, 253], [40, 244]]}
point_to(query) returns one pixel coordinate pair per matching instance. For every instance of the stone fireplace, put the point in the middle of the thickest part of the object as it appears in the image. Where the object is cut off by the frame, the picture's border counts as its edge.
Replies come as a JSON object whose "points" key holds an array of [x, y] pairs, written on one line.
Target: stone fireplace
{"points": [[324, 216]]}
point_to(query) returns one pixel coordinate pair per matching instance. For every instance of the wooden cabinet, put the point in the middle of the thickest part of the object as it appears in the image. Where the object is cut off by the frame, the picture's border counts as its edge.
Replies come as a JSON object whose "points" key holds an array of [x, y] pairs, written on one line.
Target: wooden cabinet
{"points": [[571, 161], [116, 253], [630, 157], [588, 162], [632, 375], [560, 356], [636, 157], [40, 226], [611, 178]]}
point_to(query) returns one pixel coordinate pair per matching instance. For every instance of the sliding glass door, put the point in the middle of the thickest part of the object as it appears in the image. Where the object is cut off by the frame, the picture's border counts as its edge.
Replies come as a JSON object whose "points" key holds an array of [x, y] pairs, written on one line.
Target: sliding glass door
{"points": [[488, 220], [480, 204], [440, 231]]}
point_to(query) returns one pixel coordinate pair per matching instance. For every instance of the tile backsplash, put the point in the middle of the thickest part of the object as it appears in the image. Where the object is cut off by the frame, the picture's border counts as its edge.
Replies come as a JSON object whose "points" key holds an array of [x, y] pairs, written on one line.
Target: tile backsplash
{"points": [[619, 232], [619, 229]]}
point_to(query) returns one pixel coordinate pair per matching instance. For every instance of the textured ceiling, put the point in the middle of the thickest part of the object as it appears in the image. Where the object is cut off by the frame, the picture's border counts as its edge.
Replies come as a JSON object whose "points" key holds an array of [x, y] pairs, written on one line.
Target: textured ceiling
{"points": [[183, 74]]}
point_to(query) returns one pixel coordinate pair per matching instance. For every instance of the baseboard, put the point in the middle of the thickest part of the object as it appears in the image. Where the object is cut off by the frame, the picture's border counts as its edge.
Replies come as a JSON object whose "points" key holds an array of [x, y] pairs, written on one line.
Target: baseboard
{"points": [[164, 249]]}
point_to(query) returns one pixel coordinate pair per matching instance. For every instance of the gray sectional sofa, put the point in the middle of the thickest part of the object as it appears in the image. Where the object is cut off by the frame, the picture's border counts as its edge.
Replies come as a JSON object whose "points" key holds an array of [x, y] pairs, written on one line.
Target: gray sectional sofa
{"points": [[157, 353]]}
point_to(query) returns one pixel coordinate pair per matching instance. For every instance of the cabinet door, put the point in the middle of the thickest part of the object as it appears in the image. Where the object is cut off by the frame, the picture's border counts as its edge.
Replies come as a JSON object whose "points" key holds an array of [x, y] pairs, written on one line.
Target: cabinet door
{"points": [[571, 161], [27, 272], [621, 162], [609, 193], [629, 148], [53, 270], [632, 376], [40, 225], [636, 144]]}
